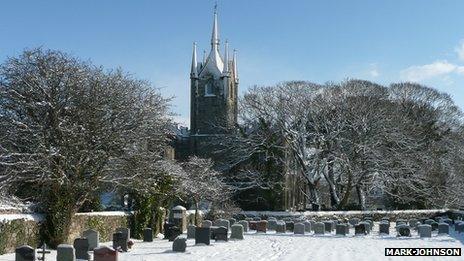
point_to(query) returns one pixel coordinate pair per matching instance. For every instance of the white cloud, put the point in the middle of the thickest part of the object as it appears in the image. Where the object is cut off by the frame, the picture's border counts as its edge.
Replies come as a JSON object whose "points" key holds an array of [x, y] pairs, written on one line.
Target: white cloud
{"points": [[374, 73], [460, 50], [418, 73]]}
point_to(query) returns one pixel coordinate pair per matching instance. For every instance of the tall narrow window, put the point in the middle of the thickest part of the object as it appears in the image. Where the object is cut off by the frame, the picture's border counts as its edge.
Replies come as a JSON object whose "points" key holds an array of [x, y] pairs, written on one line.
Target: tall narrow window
{"points": [[209, 89]]}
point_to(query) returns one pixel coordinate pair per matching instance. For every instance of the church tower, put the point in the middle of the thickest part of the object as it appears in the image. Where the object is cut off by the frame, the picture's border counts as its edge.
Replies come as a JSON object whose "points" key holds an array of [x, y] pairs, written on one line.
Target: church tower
{"points": [[213, 92]]}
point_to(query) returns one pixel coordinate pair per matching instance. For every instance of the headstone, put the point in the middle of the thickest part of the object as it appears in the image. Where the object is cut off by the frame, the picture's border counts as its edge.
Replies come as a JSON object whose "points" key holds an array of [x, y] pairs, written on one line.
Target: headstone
{"points": [[354, 221], [271, 224], [125, 231], [120, 241], [328, 226], [253, 225], [434, 226], [202, 235], [206, 223], [65, 252], [171, 231], [249, 219], [81, 246], [280, 227], [341, 229], [213, 232], [179, 217], [232, 221], [237, 231], [179, 244], [384, 228], [429, 221], [256, 219], [104, 253], [147, 235], [459, 227], [299, 229], [289, 225], [443, 228], [307, 225], [261, 226], [221, 233], [92, 236], [244, 223], [312, 224], [448, 221], [425, 230], [412, 222], [403, 231], [24, 253], [272, 218], [319, 228], [361, 228], [224, 223], [191, 231], [367, 226]]}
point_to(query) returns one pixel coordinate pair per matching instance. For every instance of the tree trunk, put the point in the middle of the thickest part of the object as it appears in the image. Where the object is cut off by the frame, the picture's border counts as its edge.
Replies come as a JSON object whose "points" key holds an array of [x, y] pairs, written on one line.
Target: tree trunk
{"points": [[196, 213], [361, 197], [334, 199]]}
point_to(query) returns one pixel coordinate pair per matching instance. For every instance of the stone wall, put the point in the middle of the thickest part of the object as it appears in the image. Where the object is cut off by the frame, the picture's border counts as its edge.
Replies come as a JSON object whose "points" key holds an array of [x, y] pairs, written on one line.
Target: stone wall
{"points": [[23, 229]]}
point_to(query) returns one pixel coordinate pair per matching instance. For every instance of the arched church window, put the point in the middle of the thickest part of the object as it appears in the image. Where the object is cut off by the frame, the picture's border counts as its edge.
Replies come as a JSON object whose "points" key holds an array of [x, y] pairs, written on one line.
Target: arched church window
{"points": [[209, 89]]}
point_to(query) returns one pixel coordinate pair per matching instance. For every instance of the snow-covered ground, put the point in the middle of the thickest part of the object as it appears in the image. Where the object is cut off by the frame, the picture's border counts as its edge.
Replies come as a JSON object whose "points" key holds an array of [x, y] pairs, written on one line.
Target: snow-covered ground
{"points": [[273, 246]]}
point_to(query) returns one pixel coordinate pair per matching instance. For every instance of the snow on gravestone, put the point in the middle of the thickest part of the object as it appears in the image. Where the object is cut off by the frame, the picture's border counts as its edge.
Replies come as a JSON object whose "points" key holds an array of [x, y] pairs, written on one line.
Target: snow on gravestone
{"points": [[105, 253], [24, 253], [65, 252], [244, 223], [81, 246], [237, 231], [299, 229], [92, 236], [206, 223], [425, 230]]}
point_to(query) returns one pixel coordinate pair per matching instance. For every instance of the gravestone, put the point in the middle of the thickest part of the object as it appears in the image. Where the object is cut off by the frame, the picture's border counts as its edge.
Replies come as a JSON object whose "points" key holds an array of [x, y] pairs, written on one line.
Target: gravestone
{"points": [[299, 229], [443, 228], [459, 227], [223, 223], [148, 235], [81, 246], [65, 252], [412, 223], [125, 231], [237, 231], [367, 226], [341, 229], [179, 217], [232, 221], [429, 221], [280, 227], [271, 224], [253, 225], [272, 218], [434, 226], [307, 225], [249, 219], [354, 221], [221, 233], [289, 225], [328, 226], [213, 231], [93, 237], [244, 224], [171, 232], [261, 226], [120, 241], [361, 228], [424, 230], [24, 253], [403, 231], [191, 231], [202, 235], [384, 228], [312, 224], [256, 219], [448, 221], [206, 223], [104, 253], [179, 244], [319, 228]]}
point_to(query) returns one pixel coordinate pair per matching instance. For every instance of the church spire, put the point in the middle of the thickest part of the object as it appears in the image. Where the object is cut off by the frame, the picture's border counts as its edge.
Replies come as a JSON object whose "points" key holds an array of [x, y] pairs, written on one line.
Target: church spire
{"points": [[234, 65], [194, 71], [215, 34], [226, 58]]}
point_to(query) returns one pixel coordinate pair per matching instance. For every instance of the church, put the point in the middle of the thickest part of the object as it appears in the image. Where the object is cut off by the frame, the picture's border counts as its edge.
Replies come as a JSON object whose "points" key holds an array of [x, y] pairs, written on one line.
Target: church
{"points": [[213, 97]]}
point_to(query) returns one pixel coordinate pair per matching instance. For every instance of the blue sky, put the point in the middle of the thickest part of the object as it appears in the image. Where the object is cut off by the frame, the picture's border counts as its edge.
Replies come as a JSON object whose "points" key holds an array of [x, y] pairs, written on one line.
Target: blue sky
{"points": [[383, 41]]}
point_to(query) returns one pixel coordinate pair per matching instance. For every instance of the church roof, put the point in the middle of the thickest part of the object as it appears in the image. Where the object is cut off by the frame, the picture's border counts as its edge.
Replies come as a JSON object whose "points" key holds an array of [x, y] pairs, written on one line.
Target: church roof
{"points": [[214, 63]]}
